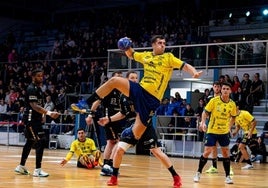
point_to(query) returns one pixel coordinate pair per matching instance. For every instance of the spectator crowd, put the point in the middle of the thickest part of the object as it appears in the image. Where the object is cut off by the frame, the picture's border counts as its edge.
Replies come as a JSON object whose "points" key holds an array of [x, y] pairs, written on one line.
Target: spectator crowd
{"points": [[77, 62]]}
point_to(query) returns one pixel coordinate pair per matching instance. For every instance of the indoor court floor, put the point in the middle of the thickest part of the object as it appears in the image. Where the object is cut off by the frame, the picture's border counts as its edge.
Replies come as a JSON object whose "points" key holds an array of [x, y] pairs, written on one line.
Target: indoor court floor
{"points": [[137, 171]]}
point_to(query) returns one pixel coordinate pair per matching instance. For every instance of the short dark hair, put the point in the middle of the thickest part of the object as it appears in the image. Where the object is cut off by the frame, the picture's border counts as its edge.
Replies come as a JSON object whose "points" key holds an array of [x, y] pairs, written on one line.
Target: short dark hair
{"points": [[155, 37], [130, 72], [217, 83], [81, 129], [226, 84], [116, 72], [35, 71], [221, 77], [246, 74]]}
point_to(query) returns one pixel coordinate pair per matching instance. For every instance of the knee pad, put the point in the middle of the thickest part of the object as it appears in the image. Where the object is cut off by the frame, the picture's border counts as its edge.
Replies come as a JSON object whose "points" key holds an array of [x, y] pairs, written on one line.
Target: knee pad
{"points": [[124, 146]]}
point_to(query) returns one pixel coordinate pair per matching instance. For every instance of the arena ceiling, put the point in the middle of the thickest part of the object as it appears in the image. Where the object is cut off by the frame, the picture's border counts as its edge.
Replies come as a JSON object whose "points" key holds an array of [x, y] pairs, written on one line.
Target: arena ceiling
{"points": [[29, 9], [68, 5], [62, 6], [40, 10], [71, 5]]}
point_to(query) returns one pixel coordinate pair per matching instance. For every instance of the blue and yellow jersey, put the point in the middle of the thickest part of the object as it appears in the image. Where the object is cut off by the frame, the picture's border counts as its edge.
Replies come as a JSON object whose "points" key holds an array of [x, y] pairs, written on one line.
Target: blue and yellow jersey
{"points": [[220, 115], [79, 148], [244, 119], [157, 71]]}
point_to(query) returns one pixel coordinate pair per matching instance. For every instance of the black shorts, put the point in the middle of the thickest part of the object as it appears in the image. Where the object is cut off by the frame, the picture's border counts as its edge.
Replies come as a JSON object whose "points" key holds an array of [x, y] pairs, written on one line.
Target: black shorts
{"points": [[35, 135], [149, 139], [34, 131], [247, 141], [113, 130], [79, 165]]}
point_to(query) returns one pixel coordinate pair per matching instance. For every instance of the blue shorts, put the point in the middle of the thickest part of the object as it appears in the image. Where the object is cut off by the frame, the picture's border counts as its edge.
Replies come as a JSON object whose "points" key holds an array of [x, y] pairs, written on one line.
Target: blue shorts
{"points": [[127, 136], [144, 102], [212, 139], [113, 130]]}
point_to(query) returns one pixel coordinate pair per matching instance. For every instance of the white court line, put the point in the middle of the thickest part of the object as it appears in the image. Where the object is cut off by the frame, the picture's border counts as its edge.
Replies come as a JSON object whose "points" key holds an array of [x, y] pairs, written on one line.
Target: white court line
{"points": [[56, 159], [33, 156]]}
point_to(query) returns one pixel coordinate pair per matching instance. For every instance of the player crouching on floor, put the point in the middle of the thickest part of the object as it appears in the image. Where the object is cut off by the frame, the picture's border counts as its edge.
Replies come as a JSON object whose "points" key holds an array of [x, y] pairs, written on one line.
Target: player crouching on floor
{"points": [[85, 149]]}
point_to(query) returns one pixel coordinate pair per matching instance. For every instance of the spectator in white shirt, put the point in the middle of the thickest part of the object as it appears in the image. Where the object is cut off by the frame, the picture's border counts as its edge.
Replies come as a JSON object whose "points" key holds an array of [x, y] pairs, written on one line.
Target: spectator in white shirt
{"points": [[3, 109], [258, 48]]}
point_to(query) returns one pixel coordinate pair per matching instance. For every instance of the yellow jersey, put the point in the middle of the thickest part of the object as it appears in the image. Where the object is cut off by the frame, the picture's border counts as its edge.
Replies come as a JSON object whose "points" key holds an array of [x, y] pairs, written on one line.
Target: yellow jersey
{"points": [[157, 71], [80, 148], [220, 114], [244, 120]]}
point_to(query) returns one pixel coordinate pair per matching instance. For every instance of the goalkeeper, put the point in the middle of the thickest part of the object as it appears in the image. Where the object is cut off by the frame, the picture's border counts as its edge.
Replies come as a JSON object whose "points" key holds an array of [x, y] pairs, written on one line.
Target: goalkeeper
{"points": [[85, 149]]}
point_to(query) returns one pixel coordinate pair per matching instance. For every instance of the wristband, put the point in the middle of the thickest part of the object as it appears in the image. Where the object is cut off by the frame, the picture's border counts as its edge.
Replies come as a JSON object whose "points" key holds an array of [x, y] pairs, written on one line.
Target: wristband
{"points": [[110, 120], [91, 113], [48, 113]]}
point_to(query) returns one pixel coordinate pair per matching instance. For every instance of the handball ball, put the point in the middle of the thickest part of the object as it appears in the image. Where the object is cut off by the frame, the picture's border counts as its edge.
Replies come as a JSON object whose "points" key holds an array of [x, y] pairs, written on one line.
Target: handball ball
{"points": [[124, 43]]}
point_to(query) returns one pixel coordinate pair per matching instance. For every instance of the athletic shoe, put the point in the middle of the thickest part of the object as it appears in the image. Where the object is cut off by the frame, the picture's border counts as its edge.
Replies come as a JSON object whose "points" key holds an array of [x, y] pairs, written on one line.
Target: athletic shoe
{"points": [[197, 177], [229, 180], [95, 163], [231, 171], [112, 181], [106, 170], [89, 165], [177, 182], [40, 173], [212, 170], [247, 167], [22, 170], [82, 104]]}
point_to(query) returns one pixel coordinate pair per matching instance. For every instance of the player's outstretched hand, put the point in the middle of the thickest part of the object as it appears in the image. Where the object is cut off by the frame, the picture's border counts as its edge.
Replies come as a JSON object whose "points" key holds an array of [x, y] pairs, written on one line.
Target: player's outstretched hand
{"points": [[53, 114], [63, 162], [197, 74]]}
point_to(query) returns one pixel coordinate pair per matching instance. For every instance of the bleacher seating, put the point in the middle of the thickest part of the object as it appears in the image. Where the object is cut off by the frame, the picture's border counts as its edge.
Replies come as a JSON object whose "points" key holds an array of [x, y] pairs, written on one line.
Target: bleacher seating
{"points": [[261, 115]]}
